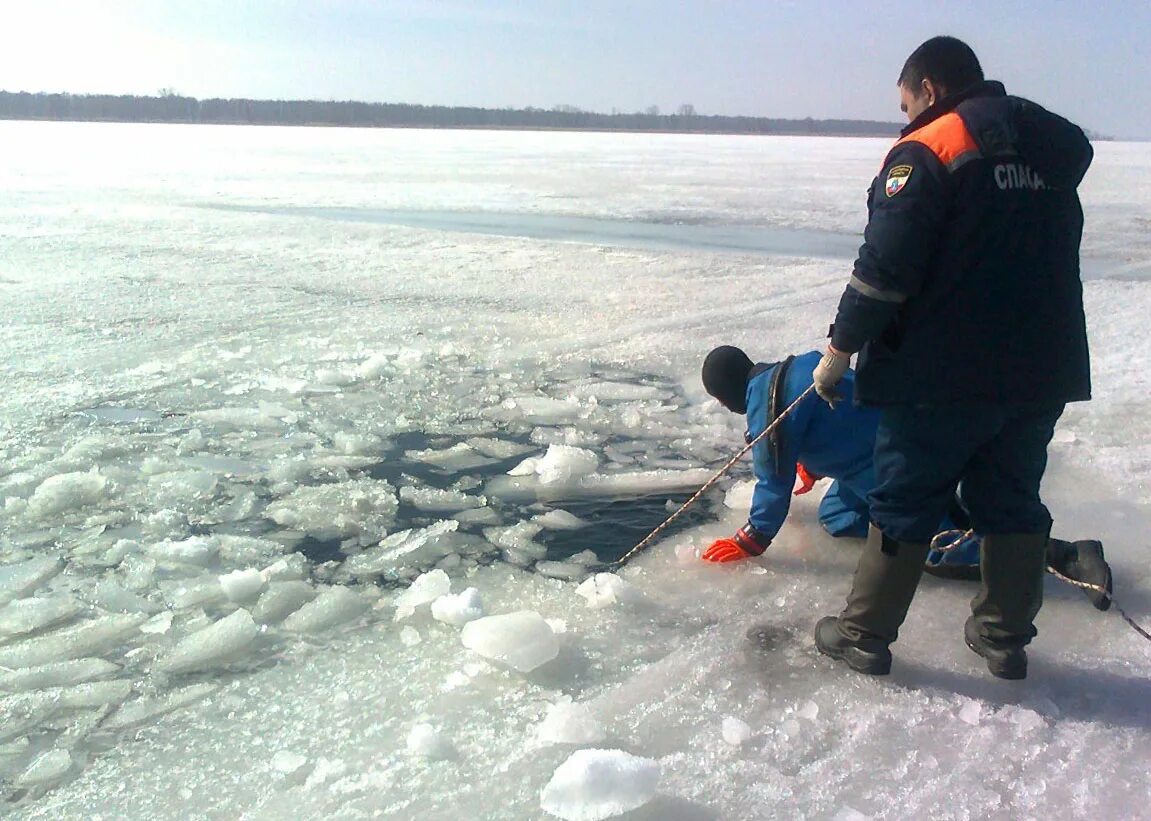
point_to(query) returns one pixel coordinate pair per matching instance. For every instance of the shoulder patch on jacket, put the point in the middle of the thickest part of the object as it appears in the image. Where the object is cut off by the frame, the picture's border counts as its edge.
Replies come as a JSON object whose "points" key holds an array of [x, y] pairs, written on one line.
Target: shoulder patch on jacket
{"points": [[897, 177]]}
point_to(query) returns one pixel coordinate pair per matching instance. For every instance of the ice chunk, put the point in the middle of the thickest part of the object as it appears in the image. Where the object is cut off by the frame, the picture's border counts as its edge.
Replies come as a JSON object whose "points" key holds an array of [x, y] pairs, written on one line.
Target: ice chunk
{"points": [[562, 463], [809, 710], [288, 763], [217, 644], [559, 520], [28, 615], [241, 585], [87, 638], [336, 511], [425, 741], [847, 813], [735, 731], [477, 516], [970, 712], [426, 588], [110, 596], [410, 637], [18, 579], [456, 458], [567, 722], [497, 448], [408, 548], [56, 674], [606, 589], [543, 409], [562, 570], [198, 550], [46, 768], [521, 640], [146, 709], [91, 694], [597, 784], [517, 537], [65, 492], [460, 609], [335, 605], [435, 500], [738, 496], [158, 625], [281, 599]]}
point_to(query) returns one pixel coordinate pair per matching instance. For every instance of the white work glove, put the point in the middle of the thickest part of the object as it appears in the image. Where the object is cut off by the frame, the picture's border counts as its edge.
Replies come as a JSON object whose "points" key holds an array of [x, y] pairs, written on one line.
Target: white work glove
{"points": [[828, 373]]}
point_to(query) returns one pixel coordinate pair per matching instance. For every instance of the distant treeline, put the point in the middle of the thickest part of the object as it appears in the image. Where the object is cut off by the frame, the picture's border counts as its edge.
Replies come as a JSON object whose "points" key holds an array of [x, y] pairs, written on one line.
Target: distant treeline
{"points": [[174, 108]]}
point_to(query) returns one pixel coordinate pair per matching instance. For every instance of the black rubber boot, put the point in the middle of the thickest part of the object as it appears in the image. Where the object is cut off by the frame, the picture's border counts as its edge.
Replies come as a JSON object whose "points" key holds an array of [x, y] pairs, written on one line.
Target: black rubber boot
{"points": [[874, 660], [885, 580], [1010, 595], [1083, 561], [1004, 662]]}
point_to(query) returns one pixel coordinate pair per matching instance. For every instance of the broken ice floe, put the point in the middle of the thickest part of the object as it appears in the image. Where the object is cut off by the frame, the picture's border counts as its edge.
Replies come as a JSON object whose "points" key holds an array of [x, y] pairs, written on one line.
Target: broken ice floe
{"points": [[522, 640], [568, 722], [597, 784]]}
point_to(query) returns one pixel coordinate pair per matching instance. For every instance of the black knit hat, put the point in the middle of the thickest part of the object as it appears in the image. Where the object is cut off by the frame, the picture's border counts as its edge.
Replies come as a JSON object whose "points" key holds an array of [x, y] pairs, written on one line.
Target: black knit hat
{"points": [[725, 373]]}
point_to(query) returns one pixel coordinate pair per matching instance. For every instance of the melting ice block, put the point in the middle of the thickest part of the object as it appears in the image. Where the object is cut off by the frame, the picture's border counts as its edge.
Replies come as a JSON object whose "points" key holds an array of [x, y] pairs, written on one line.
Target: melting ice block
{"points": [[240, 585], [425, 741], [522, 640], [66, 491], [561, 463], [28, 615], [281, 599], [460, 609], [87, 638], [23, 577], [735, 731], [212, 646], [570, 723], [337, 511], [606, 589], [47, 767], [426, 588], [335, 605], [57, 674], [408, 548], [596, 784]]}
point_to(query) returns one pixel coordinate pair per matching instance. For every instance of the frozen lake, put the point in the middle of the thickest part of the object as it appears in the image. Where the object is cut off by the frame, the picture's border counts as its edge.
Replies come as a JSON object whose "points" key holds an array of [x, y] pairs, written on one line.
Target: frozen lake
{"points": [[259, 379]]}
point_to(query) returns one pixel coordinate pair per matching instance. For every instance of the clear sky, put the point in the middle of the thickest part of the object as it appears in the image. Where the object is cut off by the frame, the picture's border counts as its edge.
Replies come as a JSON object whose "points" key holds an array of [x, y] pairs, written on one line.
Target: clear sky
{"points": [[782, 58]]}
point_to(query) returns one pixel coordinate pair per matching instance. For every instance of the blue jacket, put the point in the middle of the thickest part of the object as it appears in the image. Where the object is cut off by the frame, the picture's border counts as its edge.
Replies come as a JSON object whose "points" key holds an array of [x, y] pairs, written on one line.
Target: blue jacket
{"points": [[969, 271], [835, 443]]}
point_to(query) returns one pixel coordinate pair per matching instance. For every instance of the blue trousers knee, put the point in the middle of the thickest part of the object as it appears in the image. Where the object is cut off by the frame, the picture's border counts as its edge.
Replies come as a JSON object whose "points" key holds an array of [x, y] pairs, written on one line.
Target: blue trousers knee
{"points": [[995, 455]]}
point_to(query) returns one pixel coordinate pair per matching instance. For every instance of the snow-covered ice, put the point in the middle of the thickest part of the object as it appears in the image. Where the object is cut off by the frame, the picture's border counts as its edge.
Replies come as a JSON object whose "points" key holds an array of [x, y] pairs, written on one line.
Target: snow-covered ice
{"points": [[246, 406]]}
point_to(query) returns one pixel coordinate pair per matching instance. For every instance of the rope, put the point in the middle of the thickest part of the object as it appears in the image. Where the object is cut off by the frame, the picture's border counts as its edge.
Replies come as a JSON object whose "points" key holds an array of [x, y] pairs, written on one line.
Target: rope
{"points": [[941, 548], [936, 542], [707, 485]]}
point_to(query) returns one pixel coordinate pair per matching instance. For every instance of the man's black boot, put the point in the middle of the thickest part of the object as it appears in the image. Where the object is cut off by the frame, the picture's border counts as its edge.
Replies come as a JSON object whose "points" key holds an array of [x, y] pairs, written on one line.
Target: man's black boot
{"points": [[1009, 662], [1011, 593], [885, 580], [1083, 561]]}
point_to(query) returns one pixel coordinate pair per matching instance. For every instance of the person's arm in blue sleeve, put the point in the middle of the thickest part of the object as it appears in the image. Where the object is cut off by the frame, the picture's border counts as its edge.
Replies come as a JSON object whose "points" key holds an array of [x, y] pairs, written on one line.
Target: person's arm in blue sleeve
{"points": [[771, 500], [908, 208]]}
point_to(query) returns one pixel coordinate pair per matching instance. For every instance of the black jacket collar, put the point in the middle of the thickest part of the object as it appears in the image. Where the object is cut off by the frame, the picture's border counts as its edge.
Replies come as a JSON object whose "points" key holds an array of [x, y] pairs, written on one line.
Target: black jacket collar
{"points": [[987, 88]]}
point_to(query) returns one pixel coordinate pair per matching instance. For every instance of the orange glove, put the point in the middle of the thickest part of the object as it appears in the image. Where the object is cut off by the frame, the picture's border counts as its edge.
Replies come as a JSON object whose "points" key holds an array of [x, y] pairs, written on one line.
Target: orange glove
{"points": [[724, 550], [807, 478], [746, 543]]}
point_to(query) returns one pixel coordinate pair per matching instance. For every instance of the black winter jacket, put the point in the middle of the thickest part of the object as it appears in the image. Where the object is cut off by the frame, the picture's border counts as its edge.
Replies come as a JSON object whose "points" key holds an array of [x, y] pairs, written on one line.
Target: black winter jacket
{"points": [[967, 285]]}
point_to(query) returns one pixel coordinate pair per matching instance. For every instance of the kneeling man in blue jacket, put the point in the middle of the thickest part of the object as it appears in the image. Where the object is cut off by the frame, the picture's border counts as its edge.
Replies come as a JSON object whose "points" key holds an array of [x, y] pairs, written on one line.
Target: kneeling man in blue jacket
{"points": [[815, 441]]}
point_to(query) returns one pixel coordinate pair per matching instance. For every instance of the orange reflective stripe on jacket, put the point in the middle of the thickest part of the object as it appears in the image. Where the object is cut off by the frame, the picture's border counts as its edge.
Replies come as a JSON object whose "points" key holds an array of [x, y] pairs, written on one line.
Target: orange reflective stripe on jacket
{"points": [[947, 138]]}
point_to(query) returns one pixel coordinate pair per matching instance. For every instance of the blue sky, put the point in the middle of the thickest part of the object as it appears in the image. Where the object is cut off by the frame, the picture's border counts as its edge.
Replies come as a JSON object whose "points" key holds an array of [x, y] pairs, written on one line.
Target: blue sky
{"points": [[783, 58]]}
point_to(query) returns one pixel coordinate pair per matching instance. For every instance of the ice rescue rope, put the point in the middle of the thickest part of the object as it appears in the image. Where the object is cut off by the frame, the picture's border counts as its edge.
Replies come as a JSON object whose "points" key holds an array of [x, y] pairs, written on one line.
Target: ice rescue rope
{"points": [[707, 485], [965, 535]]}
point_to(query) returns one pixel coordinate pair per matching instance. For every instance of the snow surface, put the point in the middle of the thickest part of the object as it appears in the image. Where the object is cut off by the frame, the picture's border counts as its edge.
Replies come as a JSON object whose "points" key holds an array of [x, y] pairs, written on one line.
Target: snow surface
{"points": [[248, 401]]}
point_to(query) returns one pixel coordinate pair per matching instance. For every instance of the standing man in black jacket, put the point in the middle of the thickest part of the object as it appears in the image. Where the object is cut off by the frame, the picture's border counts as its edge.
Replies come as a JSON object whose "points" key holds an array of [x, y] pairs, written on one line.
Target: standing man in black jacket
{"points": [[966, 309]]}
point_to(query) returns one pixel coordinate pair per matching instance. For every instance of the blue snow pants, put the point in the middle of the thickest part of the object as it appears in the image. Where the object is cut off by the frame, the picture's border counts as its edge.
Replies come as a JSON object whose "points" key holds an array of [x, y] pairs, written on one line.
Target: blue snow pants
{"points": [[995, 454]]}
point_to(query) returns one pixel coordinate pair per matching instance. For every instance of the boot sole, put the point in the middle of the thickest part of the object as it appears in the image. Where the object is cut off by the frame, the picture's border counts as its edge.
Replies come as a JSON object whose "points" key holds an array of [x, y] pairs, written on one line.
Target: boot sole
{"points": [[1010, 672], [858, 660]]}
